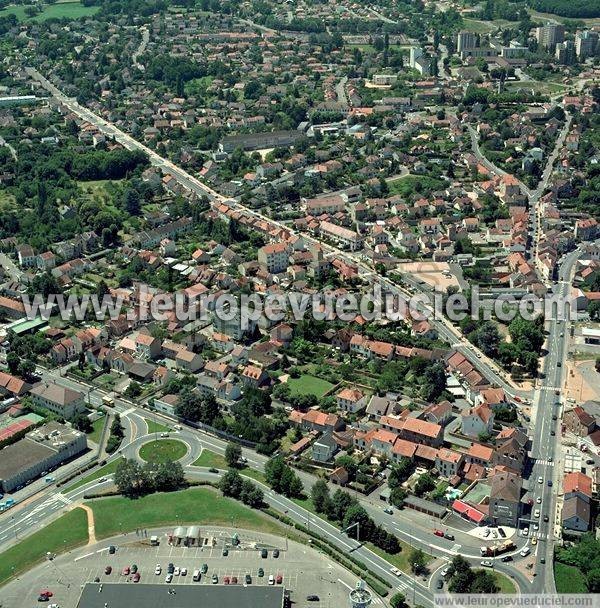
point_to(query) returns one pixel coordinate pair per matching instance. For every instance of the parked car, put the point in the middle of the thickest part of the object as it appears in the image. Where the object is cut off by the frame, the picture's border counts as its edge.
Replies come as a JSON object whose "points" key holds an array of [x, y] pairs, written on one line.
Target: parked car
{"points": [[234, 580], [271, 579], [158, 569], [439, 583], [264, 553], [204, 568], [177, 571], [112, 549], [261, 572], [215, 579], [125, 571], [134, 568], [248, 579], [226, 580], [184, 572], [108, 570], [136, 577], [225, 552], [279, 579], [275, 553], [168, 578]]}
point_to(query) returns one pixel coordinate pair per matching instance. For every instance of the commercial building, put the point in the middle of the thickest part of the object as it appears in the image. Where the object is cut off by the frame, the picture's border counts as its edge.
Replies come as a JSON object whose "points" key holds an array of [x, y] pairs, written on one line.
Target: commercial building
{"points": [[466, 40], [186, 596], [260, 141], [63, 401], [44, 448]]}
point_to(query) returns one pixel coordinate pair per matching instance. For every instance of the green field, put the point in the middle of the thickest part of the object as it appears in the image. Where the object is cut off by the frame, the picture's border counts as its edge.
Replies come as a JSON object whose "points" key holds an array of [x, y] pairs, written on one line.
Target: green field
{"points": [[107, 469], [569, 579], [210, 459], [400, 560], [98, 426], [202, 506], [67, 532], [309, 385], [162, 450], [157, 427], [67, 10], [506, 584]]}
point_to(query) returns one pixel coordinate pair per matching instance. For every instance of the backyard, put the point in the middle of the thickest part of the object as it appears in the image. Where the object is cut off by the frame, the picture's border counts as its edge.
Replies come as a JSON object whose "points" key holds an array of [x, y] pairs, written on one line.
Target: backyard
{"points": [[309, 385]]}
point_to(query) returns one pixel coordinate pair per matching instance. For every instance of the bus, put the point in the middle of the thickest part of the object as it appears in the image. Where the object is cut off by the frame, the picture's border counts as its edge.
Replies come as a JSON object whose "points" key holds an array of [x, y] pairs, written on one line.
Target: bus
{"points": [[108, 401]]}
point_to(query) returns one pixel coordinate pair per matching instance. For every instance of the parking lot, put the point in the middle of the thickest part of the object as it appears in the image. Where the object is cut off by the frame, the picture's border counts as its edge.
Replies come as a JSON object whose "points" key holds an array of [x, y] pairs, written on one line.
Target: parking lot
{"points": [[303, 570]]}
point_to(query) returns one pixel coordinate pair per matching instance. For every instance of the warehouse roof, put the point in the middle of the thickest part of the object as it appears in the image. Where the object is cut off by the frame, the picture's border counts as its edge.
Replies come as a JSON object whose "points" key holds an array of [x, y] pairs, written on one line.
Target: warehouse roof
{"points": [[21, 456], [185, 596]]}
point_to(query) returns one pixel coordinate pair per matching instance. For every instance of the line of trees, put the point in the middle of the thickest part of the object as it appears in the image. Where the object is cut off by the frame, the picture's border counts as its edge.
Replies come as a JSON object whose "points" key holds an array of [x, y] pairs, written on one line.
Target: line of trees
{"points": [[282, 479], [232, 484], [346, 511]]}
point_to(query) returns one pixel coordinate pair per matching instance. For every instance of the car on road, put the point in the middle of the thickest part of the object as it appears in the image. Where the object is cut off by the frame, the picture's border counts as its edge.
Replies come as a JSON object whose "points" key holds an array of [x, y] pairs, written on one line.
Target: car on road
{"points": [[487, 563], [248, 579], [536, 513], [43, 598], [558, 364], [448, 536], [589, 461], [445, 571], [271, 579], [275, 553], [506, 558], [439, 533], [439, 583], [136, 577], [546, 518], [534, 540], [540, 479], [395, 571], [168, 578], [525, 552], [388, 510], [538, 500], [108, 570], [261, 572], [525, 532], [112, 549], [158, 569], [549, 483], [536, 527], [214, 579], [204, 568], [554, 417], [552, 433]]}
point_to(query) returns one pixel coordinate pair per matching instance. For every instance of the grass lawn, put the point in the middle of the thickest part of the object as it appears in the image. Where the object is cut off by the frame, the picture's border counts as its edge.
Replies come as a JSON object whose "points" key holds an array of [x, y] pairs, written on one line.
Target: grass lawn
{"points": [[107, 469], [415, 184], [309, 385], [68, 10], [400, 560], [157, 427], [506, 584], [569, 579], [192, 506], [210, 459], [67, 532], [162, 450], [254, 474], [98, 426]]}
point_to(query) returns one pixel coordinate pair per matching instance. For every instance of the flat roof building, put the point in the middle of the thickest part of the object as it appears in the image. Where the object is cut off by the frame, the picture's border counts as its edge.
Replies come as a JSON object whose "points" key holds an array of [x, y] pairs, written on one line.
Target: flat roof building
{"points": [[47, 446], [185, 596]]}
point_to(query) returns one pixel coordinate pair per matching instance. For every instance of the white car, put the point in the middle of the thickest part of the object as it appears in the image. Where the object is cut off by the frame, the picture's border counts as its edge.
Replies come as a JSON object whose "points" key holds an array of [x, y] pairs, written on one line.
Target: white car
{"points": [[168, 578], [538, 500], [395, 571], [486, 533], [525, 552], [536, 513], [445, 572], [184, 572], [158, 569], [487, 563], [540, 480], [271, 579], [177, 571], [536, 527], [525, 531]]}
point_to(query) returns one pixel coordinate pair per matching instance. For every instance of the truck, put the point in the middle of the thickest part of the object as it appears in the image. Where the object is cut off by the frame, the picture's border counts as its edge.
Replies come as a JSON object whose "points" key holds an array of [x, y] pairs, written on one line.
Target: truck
{"points": [[498, 549]]}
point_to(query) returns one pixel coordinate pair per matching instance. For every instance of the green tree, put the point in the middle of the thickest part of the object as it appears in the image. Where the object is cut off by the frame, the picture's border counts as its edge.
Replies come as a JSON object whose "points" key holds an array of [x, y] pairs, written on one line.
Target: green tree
{"points": [[319, 494], [231, 484], [82, 423], [418, 561], [398, 600], [233, 453]]}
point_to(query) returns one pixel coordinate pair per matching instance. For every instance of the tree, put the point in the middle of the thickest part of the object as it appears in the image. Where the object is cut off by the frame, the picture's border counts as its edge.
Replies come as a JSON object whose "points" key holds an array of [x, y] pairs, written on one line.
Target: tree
{"points": [[418, 561], [13, 361], [339, 504], [82, 423], [356, 514], [129, 478], [424, 484], [398, 600], [349, 464], [233, 453], [251, 494], [165, 476], [397, 497], [231, 484], [594, 310], [319, 494]]}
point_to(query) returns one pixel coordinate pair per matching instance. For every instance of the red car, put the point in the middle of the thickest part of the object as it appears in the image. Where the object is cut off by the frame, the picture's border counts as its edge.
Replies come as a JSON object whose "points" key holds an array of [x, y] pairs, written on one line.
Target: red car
{"points": [[46, 593], [438, 533], [279, 579], [136, 577], [108, 570], [125, 571], [226, 580]]}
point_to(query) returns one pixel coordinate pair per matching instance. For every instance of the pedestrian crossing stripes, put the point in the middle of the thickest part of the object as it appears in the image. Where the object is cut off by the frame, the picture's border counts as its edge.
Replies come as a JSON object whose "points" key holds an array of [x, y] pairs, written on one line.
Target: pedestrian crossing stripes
{"points": [[545, 463], [63, 499]]}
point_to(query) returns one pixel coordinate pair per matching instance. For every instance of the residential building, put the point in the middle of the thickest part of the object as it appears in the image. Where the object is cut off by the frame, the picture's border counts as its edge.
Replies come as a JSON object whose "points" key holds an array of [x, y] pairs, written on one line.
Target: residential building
{"points": [[586, 43], [63, 401], [274, 257], [505, 498], [548, 36], [350, 400], [324, 448], [477, 421]]}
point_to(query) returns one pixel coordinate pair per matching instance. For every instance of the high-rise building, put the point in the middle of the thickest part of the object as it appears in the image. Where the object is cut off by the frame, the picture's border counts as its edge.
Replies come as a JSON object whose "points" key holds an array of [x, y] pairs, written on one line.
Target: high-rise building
{"points": [[466, 40], [565, 52], [586, 43], [548, 36]]}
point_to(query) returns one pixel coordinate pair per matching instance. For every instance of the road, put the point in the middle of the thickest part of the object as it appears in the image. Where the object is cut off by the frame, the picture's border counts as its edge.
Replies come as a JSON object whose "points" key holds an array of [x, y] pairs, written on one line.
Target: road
{"points": [[340, 91], [141, 48]]}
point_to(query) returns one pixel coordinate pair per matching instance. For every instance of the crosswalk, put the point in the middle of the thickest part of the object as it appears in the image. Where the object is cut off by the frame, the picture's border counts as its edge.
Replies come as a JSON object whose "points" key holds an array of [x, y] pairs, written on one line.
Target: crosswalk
{"points": [[545, 462]]}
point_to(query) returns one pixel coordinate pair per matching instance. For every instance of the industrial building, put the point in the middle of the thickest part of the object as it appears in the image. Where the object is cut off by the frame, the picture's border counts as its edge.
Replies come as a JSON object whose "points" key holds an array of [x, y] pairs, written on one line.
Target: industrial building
{"points": [[40, 450], [180, 596]]}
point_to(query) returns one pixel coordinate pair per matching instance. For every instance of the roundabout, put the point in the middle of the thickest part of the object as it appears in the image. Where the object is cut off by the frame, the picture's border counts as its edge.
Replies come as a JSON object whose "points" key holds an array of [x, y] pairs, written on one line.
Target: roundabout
{"points": [[163, 450]]}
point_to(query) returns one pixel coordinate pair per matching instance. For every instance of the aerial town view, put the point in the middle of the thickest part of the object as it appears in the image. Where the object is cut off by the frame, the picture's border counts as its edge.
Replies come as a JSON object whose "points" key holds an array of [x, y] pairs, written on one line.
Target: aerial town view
{"points": [[299, 303]]}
